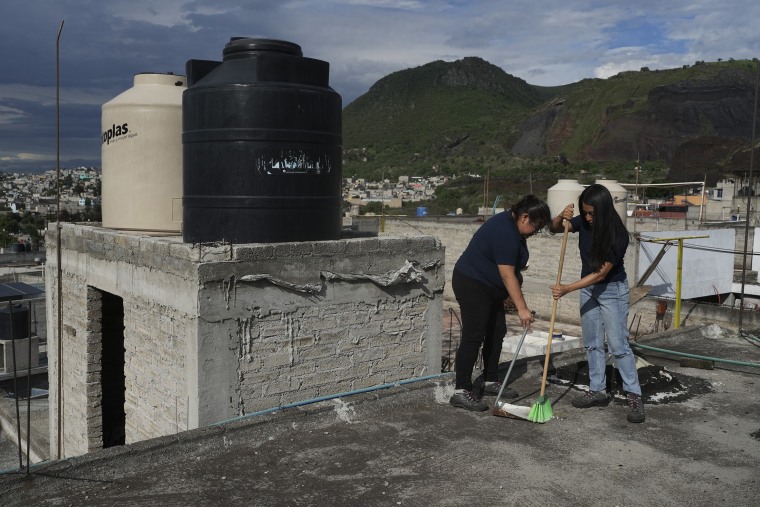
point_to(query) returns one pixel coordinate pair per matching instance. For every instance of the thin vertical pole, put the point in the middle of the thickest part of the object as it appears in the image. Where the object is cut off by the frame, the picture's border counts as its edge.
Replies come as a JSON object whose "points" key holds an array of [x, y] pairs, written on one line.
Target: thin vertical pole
{"points": [[29, 385], [702, 200], [679, 273], [15, 384], [749, 195], [58, 237]]}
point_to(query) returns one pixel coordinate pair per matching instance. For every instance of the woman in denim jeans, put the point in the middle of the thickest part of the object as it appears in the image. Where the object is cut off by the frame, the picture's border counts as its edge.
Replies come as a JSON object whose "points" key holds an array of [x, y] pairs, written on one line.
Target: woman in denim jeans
{"points": [[486, 273], [603, 286]]}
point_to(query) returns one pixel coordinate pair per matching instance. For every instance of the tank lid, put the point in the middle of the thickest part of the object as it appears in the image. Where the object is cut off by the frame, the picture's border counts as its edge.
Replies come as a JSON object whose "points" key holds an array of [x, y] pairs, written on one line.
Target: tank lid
{"points": [[239, 47], [156, 78]]}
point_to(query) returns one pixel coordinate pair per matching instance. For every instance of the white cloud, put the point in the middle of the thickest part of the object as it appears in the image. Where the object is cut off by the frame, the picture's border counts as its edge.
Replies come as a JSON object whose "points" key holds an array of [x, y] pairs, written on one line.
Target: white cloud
{"points": [[546, 43], [10, 114]]}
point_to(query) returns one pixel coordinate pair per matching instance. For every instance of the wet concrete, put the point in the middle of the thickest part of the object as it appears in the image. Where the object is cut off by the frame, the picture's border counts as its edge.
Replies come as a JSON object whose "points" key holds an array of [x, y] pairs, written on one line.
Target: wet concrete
{"points": [[406, 446]]}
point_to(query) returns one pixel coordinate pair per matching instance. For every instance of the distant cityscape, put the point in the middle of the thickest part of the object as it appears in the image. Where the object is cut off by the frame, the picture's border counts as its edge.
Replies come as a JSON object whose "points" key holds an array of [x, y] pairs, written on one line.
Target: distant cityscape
{"points": [[81, 188], [36, 193]]}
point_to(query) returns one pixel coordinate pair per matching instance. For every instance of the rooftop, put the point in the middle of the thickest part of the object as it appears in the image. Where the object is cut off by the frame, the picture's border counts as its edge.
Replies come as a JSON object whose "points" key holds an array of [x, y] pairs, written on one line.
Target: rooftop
{"points": [[404, 445]]}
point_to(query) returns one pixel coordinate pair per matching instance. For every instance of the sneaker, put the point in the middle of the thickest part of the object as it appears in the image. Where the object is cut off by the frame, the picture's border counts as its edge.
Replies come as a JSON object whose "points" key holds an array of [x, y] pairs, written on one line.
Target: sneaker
{"points": [[492, 389], [468, 400], [592, 399], [635, 408]]}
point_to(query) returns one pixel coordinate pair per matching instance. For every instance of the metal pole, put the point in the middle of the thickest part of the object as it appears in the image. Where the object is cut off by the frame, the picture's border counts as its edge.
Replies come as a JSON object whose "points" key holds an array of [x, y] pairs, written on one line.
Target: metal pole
{"points": [[59, 419], [679, 273], [679, 270], [635, 204], [702, 200], [749, 195], [29, 386], [15, 383]]}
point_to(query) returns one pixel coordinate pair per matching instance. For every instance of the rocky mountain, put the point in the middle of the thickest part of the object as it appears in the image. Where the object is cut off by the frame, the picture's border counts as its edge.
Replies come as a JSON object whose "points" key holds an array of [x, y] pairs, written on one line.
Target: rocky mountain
{"points": [[471, 116]]}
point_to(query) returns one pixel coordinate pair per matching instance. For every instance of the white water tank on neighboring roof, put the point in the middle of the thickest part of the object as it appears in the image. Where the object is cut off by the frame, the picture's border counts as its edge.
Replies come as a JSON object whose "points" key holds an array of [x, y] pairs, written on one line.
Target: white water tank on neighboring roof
{"points": [[564, 192], [141, 156], [619, 197]]}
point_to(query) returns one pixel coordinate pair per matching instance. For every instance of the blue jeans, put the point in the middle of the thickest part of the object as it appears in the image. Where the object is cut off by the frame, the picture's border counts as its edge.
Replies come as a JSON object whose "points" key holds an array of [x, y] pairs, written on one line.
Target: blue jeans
{"points": [[604, 312]]}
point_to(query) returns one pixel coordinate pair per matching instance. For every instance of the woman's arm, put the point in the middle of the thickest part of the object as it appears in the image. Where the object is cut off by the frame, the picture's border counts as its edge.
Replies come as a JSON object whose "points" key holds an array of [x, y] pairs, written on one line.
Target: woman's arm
{"points": [[597, 276], [509, 277]]}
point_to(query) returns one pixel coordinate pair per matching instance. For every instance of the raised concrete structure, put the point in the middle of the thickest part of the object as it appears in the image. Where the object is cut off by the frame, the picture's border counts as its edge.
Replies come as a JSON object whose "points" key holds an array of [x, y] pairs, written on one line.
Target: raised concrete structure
{"points": [[161, 336], [535, 343]]}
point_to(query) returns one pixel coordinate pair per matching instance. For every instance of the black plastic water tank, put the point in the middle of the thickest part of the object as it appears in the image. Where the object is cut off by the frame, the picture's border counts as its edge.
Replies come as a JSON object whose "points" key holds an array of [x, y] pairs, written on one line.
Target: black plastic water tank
{"points": [[262, 146], [20, 320]]}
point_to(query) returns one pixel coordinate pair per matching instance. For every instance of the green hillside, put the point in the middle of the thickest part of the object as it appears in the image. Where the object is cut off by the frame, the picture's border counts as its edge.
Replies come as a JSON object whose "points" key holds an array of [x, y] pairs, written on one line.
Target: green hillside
{"points": [[439, 118], [494, 134], [626, 94]]}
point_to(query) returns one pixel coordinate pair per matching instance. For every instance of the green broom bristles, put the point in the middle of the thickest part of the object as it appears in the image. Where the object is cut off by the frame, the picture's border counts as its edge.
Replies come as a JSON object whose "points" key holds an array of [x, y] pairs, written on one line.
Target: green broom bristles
{"points": [[541, 411]]}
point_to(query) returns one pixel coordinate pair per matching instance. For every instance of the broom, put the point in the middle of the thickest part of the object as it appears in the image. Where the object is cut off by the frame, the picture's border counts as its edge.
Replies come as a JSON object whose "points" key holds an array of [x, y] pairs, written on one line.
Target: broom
{"points": [[541, 411]]}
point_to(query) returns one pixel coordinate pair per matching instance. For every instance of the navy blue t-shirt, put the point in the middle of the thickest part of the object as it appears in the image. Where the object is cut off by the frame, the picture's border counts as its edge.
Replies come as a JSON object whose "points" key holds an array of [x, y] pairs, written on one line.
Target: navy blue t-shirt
{"points": [[497, 241], [615, 256]]}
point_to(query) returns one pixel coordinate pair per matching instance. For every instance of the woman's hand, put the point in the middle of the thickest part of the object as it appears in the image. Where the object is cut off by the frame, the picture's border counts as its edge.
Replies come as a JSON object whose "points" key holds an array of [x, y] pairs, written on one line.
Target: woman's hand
{"points": [[559, 290], [567, 213], [526, 317]]}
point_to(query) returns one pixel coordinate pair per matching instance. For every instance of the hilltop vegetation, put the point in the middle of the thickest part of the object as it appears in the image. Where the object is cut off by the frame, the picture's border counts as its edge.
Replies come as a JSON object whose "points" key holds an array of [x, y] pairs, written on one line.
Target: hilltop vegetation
{"points": [[469, 118]]}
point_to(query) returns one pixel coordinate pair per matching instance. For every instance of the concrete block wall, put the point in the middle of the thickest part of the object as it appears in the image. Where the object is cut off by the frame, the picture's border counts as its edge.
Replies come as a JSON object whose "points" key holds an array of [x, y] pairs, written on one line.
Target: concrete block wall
{"points": [[544, 251], [303, 320], [75, 403], [544, 248], [156, 396], [212, 332], [156, 337]]}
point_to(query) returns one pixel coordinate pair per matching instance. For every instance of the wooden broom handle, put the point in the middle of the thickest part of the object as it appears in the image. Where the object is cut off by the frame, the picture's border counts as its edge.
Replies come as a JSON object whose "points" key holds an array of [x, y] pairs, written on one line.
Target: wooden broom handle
{"points": [[554, 308]]}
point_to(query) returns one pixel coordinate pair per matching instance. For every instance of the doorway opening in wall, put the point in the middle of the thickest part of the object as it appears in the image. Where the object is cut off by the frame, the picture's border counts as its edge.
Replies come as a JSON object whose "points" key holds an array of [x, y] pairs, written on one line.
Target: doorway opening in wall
{"points": [[112, 373]]}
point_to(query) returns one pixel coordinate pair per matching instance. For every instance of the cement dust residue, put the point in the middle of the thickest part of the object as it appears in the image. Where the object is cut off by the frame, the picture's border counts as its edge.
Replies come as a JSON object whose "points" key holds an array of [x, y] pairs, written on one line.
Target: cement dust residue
{"points": [[443, 392], [344, 411], [658, 385]]}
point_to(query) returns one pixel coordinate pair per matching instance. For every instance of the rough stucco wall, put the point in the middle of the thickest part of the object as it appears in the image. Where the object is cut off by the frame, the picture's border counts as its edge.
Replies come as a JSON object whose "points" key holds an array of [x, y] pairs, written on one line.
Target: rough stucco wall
{"points": [[295, 321]]}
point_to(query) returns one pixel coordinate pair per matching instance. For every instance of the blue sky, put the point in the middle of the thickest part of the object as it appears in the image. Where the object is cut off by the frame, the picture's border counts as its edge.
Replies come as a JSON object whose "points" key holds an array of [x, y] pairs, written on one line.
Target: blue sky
{"points": [[545, 42]]}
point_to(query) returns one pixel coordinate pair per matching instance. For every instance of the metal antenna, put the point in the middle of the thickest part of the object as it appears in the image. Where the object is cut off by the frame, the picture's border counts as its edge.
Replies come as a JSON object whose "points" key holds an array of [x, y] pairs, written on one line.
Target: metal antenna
{"points": [[58, 236]]}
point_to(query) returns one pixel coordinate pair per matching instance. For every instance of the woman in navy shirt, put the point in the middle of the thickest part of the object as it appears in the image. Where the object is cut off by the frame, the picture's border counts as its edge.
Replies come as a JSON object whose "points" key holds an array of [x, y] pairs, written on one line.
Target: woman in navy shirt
{"points": [[487, 272], [603, 286]]}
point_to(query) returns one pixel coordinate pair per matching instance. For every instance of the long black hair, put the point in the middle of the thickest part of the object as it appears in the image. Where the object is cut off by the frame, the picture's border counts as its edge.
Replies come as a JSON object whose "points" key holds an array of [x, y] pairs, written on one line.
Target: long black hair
{"points": [[607, 226], [537, 210]]}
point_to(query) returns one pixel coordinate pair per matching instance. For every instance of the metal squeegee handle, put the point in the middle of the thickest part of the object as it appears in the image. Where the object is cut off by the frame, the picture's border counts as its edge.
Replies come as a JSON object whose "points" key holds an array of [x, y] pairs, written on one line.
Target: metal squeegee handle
{"points": [[512, 364]]}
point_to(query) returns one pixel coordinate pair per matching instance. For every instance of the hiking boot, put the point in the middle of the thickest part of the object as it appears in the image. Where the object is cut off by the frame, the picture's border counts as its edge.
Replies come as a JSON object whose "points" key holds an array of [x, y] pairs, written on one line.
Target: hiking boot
{"points": [[592, 399], [635, 408], [492, 389], [468, 400]]}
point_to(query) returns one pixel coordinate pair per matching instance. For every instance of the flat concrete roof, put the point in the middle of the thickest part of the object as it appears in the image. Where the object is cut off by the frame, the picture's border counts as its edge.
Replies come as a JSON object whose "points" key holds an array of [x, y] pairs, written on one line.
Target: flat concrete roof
{"points": [[404, 445]]}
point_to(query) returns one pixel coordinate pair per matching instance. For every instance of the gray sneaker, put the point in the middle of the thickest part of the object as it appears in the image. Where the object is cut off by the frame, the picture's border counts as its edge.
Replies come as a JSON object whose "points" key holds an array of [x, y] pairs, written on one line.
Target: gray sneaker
{"points": [[635, 408], [468, 400], [592, 399], [492, 389]]}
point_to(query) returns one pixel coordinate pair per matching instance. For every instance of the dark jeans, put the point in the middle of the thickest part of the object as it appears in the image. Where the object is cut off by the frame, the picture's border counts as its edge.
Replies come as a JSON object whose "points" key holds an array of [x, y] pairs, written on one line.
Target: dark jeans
{"points": [[483, 324]]}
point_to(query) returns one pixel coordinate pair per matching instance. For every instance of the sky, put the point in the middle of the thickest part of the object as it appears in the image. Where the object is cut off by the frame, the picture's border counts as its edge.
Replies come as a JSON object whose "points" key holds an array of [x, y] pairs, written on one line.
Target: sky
{"points": [[103, 44]]}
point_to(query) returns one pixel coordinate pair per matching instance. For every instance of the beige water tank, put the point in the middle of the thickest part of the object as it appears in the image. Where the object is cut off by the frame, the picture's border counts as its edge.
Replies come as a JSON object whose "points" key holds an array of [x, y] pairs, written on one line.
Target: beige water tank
{"points": [[564, 192], [619, 197], [141, 156]]}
